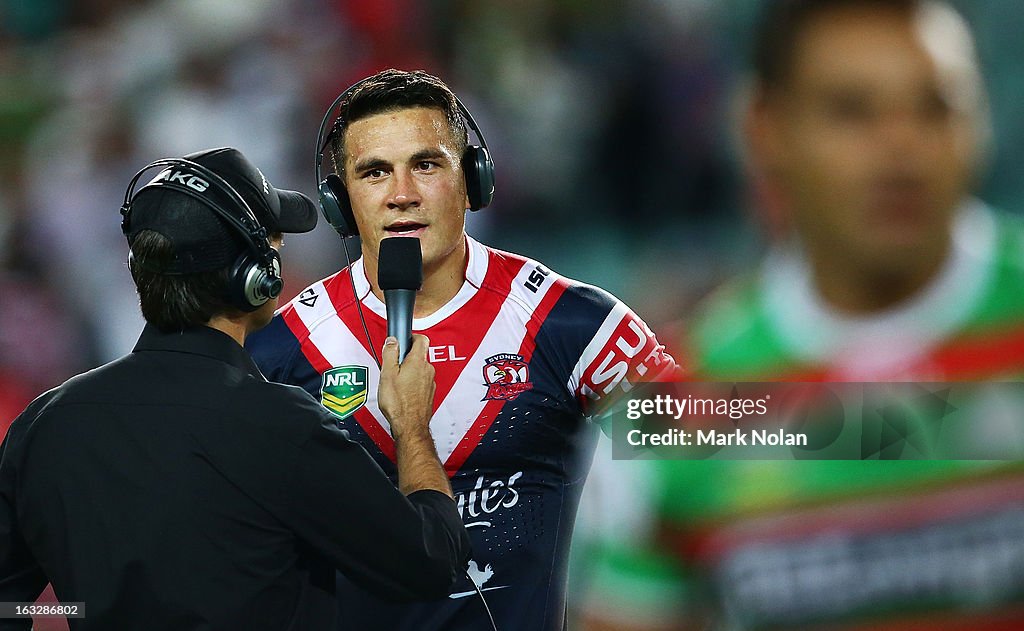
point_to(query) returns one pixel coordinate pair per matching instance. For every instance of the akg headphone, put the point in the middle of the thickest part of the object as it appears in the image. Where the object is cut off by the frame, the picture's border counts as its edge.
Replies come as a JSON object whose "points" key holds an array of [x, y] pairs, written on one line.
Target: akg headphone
{"points": [[255, 276], [334, 202]]}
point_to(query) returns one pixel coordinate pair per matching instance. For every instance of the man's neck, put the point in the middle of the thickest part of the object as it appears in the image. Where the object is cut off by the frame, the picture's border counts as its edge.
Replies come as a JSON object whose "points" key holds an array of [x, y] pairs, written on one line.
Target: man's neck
{"points": [[441, 282], [236, 329], [859, 290]]}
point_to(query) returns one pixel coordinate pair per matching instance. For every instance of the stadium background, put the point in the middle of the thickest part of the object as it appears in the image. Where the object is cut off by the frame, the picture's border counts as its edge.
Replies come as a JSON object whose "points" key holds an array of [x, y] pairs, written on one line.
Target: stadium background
{"points": [[610, 124]]}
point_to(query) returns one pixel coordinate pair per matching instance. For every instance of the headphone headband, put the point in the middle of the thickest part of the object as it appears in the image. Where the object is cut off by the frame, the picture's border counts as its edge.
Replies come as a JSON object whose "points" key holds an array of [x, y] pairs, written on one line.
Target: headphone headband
{"points": [[255, 276], [245, 224]]}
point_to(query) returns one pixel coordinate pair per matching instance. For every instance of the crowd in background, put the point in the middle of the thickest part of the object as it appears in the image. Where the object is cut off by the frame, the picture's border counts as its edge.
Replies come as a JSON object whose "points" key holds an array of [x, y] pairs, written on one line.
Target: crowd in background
{"points": [[611, 124]]}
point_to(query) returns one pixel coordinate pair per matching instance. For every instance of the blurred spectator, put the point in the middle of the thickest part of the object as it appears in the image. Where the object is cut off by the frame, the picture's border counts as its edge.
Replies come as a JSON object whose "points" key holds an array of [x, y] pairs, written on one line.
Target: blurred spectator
{"points": [[41, 340], [867, 122]]}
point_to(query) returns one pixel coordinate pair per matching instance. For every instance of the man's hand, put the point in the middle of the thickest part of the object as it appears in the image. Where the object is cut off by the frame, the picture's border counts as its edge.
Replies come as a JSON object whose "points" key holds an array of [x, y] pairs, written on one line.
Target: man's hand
{"points": [[406, 397], [406, 392]]}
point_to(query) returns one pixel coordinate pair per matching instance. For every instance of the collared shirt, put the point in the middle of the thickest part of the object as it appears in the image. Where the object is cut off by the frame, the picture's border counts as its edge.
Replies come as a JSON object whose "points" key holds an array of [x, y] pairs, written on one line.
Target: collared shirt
{"points": [[175, 488]]}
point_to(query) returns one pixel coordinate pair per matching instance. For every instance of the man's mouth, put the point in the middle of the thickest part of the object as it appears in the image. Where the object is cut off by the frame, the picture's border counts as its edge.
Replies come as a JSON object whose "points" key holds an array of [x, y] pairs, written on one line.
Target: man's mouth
{"points": [[405, 229]]}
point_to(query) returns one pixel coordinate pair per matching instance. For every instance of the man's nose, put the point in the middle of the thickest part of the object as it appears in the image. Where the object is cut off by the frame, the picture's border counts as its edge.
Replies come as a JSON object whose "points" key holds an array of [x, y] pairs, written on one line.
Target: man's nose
{"points": [[404, 192]]}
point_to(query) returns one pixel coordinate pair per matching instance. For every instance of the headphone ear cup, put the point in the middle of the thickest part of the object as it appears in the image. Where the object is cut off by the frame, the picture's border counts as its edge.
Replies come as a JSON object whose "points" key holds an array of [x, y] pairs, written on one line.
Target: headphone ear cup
{"points": [[131, 261], [250, 286], [479, 171], [126, 210], [335, 205]]}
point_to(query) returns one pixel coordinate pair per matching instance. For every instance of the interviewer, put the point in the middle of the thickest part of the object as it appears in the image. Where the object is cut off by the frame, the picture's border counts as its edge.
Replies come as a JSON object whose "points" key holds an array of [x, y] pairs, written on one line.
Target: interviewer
{"points": [[176, 488]]}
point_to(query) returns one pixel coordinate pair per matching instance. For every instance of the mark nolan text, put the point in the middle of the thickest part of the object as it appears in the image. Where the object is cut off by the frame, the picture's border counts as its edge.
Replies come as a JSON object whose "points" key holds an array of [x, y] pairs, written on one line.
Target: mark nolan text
{"points": [[751, 437], [737, 437]]}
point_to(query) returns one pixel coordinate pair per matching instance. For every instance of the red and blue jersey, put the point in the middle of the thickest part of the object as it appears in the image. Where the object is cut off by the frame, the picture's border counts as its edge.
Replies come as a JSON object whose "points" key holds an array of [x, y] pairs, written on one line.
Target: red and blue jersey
{"points": [[522, 357]]}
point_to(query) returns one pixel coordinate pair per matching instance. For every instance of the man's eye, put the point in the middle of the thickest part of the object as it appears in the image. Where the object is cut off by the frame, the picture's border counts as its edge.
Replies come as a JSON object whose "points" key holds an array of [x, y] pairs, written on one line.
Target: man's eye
{"points": [[374, 173], [426, 165], [935, 107], [849, 109]]}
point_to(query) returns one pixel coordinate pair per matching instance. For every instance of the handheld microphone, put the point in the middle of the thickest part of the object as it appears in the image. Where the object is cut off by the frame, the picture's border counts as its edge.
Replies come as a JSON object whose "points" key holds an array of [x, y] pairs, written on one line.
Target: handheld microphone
{"points": [[400, 276]]}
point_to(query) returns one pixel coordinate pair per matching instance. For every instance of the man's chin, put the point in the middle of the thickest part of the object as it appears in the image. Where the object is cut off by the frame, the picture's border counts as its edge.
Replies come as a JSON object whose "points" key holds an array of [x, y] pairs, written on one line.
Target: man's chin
{"points": [[899, 254]]}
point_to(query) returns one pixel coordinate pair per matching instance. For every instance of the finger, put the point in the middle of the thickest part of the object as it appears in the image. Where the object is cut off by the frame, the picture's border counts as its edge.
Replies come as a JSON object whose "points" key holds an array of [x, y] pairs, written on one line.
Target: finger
{"points": [[420, 344], [389, 354]]}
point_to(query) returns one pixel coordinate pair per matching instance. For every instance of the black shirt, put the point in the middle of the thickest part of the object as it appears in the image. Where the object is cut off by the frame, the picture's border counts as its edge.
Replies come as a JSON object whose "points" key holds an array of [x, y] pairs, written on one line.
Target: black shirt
{"points": [[175, 488]]}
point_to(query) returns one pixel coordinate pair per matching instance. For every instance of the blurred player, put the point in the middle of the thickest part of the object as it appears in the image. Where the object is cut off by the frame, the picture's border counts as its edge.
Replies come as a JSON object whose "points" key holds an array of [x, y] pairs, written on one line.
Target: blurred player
{"points": [[868, 123], [522, 355]]}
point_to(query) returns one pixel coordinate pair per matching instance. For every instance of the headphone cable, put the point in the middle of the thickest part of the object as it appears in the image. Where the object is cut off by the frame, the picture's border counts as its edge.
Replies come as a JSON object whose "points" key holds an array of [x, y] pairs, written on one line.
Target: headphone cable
{"points": [[359, 303]]}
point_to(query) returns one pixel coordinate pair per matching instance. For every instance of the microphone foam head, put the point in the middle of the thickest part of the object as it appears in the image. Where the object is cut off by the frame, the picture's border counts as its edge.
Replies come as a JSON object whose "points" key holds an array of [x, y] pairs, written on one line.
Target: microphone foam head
{"points": [[400, 264]]}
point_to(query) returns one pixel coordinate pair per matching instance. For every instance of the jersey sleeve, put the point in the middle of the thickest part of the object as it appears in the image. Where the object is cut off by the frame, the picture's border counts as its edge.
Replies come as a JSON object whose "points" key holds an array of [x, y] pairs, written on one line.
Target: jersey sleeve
{"points": [[621, 352]]}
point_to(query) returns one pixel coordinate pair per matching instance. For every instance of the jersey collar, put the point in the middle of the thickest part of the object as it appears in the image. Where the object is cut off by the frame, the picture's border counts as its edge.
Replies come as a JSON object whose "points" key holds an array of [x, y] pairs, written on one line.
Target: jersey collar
{"points": [[815, 332], [476, 270]]}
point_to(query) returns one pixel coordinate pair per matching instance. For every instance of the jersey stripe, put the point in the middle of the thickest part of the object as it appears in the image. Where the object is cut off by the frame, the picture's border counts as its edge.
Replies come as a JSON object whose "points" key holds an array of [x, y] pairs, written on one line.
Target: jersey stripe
{"points": [[594, 348], [374, 426], [343, 300], [332, 339], [485, 306], [339, 289], [456, 422], [342, 346], [983, 357], [977, 357], [552, 292], [880, 512], [299, 326]]}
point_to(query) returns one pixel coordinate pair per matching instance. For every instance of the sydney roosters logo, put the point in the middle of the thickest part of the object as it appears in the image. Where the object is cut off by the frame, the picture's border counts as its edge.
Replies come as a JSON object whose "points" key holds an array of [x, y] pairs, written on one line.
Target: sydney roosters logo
{"points": [[506, 376]]}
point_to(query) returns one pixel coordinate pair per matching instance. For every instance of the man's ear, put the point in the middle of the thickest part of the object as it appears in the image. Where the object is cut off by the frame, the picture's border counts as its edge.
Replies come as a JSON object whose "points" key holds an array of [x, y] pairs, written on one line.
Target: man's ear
{"points": [[763, 150], [762, 139]]}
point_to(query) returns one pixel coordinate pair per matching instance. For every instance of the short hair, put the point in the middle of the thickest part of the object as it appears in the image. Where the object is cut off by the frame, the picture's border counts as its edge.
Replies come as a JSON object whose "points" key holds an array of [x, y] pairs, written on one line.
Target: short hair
{"points": [[781, 24], [391, 90], [174, 302]]}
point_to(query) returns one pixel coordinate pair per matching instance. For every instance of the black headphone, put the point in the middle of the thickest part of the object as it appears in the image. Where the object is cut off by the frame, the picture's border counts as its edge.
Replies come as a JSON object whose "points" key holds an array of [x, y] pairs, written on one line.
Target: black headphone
{"points": [[334, 202], [255, 276]]}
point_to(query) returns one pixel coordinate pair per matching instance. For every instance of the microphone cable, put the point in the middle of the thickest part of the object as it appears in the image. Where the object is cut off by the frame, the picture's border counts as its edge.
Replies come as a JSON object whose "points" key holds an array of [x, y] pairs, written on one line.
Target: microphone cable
{"points": [[369, 342], [359, 304], [480, 593]]}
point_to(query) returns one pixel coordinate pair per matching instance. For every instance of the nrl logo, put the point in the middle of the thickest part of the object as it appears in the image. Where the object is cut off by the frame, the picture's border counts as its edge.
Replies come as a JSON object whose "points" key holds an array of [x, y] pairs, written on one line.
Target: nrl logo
{"points": [[506, 376], [344, 390]]}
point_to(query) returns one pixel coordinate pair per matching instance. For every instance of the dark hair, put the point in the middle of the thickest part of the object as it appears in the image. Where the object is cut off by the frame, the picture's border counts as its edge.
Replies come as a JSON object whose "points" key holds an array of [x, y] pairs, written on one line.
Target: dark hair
{"points": [[173, 302], [391, 90], [781, 24]]}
